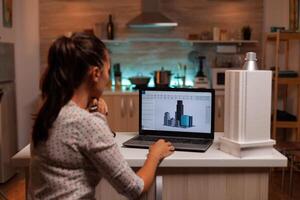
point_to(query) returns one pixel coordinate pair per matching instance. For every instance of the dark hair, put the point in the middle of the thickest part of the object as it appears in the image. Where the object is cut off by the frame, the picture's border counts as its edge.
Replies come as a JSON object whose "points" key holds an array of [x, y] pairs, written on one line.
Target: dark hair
{"points": [[69, 59]]}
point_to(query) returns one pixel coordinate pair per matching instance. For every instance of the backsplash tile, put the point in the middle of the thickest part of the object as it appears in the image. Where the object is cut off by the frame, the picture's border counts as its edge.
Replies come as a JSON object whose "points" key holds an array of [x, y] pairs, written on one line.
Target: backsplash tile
{"points": [[143, 58]]}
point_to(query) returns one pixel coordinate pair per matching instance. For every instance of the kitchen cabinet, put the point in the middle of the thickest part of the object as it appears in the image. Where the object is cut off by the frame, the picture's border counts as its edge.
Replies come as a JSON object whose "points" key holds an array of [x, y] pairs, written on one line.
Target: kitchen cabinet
{"points": [[123, 111], [8, 131], [105, 190], [219, 112]]}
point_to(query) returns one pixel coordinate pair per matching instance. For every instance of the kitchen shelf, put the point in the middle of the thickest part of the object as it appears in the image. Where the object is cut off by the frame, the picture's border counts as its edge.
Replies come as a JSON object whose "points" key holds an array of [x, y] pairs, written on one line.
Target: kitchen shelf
{"points": [[115, 42], [239, 42], [177, 40], [145, 40]]}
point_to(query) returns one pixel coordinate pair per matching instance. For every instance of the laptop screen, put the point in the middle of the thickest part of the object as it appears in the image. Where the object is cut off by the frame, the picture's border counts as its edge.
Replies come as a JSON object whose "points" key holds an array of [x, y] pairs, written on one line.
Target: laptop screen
{"points": [[180, 112]]}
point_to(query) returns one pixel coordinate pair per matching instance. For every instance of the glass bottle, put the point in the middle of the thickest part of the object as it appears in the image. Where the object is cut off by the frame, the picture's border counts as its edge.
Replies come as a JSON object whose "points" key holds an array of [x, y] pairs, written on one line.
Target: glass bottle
{"points": [[118, 76], [110, 28]]}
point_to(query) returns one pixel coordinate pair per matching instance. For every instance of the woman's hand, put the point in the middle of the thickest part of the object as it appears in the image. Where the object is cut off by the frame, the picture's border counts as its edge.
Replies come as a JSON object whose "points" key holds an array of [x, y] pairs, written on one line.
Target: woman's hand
{"points": [[98, 105], [157, 151], [160, 149]]}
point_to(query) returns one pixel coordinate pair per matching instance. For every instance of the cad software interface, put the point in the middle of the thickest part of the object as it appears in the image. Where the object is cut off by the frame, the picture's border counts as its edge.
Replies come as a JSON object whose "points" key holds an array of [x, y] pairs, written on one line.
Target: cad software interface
{"points": [[176, 111]]}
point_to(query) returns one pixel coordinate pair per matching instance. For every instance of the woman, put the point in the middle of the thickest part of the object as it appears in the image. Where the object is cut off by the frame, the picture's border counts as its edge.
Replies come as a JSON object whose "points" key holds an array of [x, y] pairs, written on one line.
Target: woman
{"points": [[72, 148]]}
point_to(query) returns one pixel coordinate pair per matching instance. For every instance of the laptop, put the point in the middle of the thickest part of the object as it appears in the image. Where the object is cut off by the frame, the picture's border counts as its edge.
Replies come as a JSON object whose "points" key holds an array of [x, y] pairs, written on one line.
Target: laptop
{"points": [[184, 116]]}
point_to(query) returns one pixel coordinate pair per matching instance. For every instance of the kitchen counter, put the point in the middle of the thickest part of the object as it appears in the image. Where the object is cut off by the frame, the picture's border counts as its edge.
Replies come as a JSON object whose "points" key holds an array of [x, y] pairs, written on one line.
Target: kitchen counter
{"points": [[125, 89], [120, 92], [213, 157], [212, 170]]}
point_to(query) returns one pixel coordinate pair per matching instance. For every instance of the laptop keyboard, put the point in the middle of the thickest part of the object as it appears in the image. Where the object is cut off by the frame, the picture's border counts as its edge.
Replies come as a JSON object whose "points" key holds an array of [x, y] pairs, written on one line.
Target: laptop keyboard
{"points": [[179, 143], [174, 140]]}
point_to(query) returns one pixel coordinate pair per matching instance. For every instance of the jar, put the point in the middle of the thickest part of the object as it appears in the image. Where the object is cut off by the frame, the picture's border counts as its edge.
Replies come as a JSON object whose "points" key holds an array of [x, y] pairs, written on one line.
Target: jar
{"points": [[223, 35]]}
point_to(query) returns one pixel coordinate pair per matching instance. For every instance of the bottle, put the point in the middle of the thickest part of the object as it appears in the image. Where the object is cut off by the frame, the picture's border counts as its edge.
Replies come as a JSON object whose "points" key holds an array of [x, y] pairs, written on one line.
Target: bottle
{"points": [[250, 62], [109, 83], [110, 28], [118, 76], [201, 80], [200, 70]]}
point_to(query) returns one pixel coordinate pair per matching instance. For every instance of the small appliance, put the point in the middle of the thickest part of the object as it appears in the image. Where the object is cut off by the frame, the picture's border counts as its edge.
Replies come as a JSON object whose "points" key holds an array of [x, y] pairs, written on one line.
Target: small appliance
{"points": [[218, 78], [201, 81]]}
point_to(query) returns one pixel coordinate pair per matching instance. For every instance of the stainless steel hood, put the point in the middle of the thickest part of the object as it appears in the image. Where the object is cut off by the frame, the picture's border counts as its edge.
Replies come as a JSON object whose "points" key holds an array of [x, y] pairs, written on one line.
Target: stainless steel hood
{"points": [[151, 17]]}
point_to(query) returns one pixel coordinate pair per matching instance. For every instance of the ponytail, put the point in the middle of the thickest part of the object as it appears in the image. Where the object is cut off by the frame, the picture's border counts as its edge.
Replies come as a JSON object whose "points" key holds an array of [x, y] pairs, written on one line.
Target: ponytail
{"points": [[68, 62]]}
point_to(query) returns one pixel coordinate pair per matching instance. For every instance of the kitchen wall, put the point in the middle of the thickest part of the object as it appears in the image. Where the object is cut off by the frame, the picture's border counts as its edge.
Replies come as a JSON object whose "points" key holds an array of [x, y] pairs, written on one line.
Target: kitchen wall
{"points": [[194, 16], [24, 34], [276, 14], [27, 65]]}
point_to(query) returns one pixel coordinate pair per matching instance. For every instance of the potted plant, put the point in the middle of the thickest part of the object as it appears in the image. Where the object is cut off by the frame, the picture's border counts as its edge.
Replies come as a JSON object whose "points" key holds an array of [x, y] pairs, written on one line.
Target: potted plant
{"points": [[246, 32]]}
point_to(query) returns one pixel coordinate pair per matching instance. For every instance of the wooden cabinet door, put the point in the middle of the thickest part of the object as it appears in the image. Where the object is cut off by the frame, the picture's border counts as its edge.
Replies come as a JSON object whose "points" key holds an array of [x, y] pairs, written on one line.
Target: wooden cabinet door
{"points": [[120, 113], [123, 112], [219, 113], [109, 101], [105, 191], [116, 118], [133, 113]]}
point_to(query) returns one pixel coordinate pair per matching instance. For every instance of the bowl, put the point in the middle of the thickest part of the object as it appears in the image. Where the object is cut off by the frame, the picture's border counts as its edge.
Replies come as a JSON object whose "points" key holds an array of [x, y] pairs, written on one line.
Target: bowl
{"points": [[140, 80]]}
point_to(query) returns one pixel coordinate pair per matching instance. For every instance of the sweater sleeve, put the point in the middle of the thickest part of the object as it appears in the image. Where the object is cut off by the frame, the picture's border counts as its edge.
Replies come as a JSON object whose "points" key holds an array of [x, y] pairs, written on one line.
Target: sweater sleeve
{"points": [[99, 146]]}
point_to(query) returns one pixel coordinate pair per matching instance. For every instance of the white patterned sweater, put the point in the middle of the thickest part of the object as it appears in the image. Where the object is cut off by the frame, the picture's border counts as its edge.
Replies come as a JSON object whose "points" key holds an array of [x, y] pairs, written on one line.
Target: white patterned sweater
{"points": [[80, 151]]}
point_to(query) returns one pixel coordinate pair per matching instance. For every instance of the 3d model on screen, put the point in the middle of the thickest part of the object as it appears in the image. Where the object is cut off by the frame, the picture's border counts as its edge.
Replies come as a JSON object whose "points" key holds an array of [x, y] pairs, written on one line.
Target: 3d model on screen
{"points": [[180, 120]]}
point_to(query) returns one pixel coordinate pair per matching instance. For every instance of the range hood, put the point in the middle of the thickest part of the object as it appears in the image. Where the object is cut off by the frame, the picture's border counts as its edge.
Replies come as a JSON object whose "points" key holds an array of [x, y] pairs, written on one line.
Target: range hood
{"points": [[151, 17]]}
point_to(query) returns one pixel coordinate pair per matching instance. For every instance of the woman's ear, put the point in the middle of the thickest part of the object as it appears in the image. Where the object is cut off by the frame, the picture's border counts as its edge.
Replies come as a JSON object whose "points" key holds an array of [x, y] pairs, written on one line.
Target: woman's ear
{"points": [[95, 73]]}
